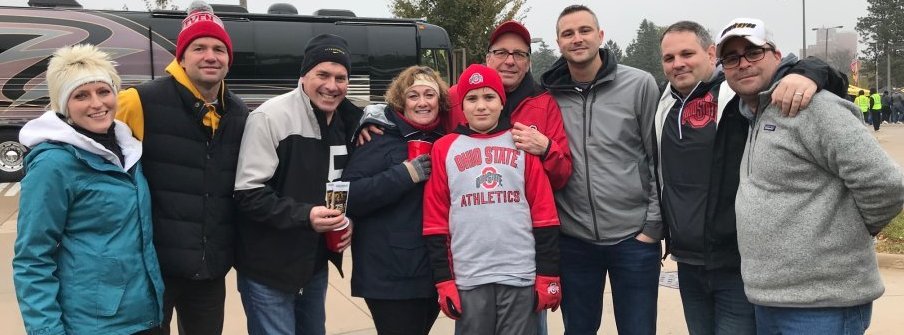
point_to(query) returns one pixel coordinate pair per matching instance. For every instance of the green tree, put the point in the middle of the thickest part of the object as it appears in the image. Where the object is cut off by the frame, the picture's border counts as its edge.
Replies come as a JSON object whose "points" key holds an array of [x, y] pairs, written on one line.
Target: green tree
{"points": [[616, 50], [882, 29], [468, 22], [643, 52], [541, 60]]}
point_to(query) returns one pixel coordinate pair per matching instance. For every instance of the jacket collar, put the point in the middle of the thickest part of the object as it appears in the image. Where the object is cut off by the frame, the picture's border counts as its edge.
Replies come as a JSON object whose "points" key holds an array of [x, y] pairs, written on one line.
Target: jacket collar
{"points": [[702, 87], [502, 126], [559, 77], [526, 89], [49, 127], [409, 132], [191, 97]]}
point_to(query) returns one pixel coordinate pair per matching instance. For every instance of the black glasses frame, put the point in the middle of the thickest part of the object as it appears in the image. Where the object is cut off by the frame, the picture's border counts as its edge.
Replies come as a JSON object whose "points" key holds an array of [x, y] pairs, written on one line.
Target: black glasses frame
{"points": [[502, 54], [752, 55]]}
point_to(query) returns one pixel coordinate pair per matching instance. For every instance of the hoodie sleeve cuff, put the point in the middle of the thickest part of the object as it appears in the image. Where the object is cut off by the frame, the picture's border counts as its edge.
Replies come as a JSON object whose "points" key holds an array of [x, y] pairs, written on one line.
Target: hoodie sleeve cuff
{"points": [[653, 229]]}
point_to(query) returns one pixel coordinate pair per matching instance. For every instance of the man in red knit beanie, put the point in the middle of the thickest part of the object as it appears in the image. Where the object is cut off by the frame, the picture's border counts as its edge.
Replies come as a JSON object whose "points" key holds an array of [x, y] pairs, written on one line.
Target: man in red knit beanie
{"points": [[201, 22], [191, 126]]}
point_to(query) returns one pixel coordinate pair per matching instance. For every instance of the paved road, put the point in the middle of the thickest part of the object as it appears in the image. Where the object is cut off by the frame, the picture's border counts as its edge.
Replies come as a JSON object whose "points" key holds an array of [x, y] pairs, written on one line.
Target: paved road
{"points": [[349, 316]]}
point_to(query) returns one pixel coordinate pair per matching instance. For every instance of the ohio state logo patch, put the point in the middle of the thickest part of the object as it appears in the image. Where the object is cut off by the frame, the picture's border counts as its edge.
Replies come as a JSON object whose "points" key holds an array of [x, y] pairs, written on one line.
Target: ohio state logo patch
{"points": [[488, 178], [699, 112], [476, 78], [552, 289]]}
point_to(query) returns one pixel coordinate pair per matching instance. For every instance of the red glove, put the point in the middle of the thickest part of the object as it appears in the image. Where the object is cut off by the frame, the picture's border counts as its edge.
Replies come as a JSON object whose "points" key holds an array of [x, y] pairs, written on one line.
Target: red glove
{"points": [[549, 293], [449, 301]]}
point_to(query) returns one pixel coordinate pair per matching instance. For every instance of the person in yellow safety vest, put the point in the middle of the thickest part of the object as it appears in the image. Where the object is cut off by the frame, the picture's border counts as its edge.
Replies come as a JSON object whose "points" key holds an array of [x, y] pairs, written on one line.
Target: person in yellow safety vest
{"points": [[862, 101], [875, 108]]}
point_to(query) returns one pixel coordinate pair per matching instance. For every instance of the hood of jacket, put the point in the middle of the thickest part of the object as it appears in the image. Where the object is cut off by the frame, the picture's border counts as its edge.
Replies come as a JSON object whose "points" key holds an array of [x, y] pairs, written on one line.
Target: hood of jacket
{"points": [[559, 77], [49, 127]]}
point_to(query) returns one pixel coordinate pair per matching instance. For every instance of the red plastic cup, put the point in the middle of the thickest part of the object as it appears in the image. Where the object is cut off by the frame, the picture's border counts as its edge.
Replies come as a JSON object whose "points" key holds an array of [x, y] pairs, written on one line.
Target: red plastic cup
{"points": [[418, 147], [334, 237]]}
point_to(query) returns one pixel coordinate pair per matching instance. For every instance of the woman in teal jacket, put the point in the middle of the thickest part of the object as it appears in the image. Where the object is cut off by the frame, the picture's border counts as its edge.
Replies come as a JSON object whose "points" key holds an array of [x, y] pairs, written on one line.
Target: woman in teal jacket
{"points": [[84, 260]]}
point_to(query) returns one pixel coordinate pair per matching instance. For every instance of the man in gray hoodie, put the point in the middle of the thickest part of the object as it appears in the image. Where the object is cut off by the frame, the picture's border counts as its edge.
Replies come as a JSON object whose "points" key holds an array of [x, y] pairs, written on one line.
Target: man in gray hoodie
{"points": [[609, 210], [814, 190]]}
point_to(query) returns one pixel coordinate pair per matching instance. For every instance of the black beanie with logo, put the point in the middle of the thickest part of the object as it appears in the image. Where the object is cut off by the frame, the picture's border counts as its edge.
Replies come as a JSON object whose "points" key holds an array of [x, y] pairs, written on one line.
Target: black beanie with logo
{"points": [[326, 48]]}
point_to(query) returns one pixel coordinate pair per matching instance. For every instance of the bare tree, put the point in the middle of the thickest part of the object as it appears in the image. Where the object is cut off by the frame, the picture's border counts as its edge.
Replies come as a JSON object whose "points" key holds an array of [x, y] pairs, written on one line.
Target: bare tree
{"points": [[841, 60], [160, 4]]}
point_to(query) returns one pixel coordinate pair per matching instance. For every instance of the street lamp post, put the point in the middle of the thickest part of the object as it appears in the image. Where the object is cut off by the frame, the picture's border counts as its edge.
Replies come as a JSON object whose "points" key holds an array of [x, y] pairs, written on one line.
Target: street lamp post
{"points": [[803, 14], [826, 41]]}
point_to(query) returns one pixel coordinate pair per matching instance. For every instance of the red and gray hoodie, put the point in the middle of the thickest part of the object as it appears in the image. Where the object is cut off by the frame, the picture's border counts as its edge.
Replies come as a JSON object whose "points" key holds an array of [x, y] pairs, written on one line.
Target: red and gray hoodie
{"points": [[489, 214]]}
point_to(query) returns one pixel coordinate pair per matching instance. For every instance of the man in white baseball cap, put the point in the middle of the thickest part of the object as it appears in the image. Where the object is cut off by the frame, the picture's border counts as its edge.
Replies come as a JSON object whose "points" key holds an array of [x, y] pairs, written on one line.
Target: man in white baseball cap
{"points": [[813, 191], [753, 30]]}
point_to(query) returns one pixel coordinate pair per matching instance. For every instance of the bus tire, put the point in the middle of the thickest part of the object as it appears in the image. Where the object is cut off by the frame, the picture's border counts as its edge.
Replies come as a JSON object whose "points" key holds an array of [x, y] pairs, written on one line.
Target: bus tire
{"points": [[12, 156]]}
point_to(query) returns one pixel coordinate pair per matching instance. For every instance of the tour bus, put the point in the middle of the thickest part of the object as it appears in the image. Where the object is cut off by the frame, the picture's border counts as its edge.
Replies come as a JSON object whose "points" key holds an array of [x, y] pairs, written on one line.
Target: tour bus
{"points": [[267, 48]]}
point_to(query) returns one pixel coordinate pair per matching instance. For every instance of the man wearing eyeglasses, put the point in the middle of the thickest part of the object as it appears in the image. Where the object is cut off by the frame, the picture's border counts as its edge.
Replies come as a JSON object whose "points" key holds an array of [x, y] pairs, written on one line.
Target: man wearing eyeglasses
{"points": [[701, 136], [813, 190], [534, 114]]}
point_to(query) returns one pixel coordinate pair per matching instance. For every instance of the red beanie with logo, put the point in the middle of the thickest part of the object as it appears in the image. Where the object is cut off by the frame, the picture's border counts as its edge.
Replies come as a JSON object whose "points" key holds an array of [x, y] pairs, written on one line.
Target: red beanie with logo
{"points": [[479, 76], [201, 22]]}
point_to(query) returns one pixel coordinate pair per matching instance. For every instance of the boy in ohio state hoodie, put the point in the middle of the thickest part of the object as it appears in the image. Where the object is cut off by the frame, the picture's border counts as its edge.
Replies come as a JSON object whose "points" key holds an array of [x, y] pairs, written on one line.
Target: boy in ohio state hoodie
{"points": [[490, 220]]}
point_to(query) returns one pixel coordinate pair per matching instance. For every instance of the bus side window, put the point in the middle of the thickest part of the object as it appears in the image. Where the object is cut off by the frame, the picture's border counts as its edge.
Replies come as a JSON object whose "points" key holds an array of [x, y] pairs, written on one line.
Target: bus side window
{"points": [[427, 58], [438, 60]]}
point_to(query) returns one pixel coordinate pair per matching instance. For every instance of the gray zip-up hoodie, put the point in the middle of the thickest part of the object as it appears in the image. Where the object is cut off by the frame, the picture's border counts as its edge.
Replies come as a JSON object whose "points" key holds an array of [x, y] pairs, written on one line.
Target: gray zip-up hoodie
{"points": [[611, 195], [813, 189]]}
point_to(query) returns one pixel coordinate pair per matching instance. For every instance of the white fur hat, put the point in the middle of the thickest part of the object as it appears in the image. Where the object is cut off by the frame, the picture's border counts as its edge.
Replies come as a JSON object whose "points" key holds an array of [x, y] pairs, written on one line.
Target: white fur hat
{"points": [[74, 66]]}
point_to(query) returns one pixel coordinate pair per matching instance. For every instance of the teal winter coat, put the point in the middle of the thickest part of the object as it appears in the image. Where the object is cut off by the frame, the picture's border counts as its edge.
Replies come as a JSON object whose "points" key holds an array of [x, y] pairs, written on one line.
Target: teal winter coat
{"points": [[84, 260]]}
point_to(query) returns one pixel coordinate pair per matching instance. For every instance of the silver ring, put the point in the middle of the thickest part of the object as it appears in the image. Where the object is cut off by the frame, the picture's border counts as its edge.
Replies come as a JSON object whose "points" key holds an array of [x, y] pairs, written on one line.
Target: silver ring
{"points": [[798, 93], [515, 137]]}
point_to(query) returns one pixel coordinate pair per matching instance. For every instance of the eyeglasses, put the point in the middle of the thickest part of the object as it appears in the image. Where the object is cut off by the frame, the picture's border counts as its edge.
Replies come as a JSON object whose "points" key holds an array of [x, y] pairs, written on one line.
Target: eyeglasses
{"points": [[752, 55], [502, 54]]}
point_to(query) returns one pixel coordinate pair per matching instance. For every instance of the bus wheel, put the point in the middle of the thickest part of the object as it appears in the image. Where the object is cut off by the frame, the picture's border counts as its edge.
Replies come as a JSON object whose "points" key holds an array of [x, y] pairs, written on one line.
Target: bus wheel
{"points": [[12, 156]]}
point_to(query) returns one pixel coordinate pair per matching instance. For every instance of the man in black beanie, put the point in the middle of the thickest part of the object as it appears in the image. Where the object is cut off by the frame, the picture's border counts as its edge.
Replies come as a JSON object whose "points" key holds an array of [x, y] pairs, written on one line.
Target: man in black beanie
{"points": [[294, 144]]}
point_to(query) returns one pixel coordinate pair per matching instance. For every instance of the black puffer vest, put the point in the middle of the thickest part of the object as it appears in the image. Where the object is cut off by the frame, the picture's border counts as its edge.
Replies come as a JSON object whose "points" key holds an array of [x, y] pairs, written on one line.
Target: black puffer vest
{"points": [[191, 175]]}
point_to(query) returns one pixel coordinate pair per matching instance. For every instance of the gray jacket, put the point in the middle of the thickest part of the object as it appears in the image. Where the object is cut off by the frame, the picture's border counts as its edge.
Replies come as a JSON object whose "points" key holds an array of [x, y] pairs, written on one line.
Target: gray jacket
{"points": [[813, 189], [612, 193]]}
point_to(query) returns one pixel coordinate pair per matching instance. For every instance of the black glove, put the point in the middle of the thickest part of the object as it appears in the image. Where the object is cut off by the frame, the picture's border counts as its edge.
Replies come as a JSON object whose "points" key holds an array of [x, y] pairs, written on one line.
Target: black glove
{"points": [[419, 168]]}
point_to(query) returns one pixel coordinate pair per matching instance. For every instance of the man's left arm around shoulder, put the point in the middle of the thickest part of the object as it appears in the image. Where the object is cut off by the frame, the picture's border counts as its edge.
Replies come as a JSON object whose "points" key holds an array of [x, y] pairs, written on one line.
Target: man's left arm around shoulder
{"points": [[801, 82], [653, 228], [821, 73]]}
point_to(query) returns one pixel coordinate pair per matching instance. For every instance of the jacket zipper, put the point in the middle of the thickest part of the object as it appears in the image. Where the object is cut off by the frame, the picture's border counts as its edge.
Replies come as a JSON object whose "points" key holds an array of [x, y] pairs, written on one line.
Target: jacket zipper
{"points": [[208, 147], [587, 129], [751, 140], [681, 110], [133, 181]]}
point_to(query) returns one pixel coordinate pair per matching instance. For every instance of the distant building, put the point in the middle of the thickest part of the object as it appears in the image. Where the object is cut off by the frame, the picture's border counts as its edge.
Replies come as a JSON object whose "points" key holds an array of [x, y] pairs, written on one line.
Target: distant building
{"points": [[842, 48], [838, 41]]}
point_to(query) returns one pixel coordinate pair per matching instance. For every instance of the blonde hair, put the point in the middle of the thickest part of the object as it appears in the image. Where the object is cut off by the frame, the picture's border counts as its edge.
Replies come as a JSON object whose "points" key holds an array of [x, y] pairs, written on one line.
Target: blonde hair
{"points": [[74, 66], [395, 94]]}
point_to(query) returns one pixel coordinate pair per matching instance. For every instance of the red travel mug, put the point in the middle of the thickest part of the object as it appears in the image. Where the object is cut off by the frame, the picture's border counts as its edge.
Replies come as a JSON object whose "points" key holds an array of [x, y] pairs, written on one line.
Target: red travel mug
{"points": [[333, 237], [418, 147]]}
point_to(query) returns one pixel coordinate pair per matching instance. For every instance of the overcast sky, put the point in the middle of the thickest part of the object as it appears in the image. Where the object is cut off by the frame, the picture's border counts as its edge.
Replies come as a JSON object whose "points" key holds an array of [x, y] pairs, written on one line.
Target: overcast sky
{"points": [[619, 19]]}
